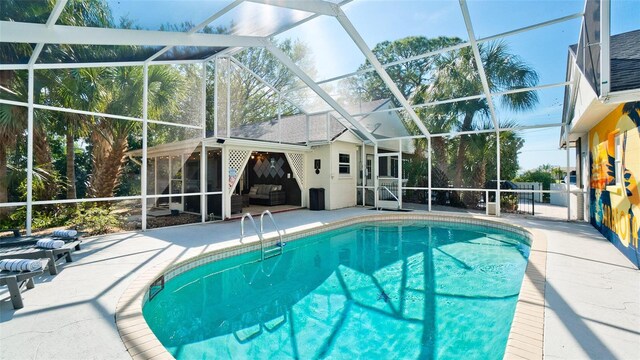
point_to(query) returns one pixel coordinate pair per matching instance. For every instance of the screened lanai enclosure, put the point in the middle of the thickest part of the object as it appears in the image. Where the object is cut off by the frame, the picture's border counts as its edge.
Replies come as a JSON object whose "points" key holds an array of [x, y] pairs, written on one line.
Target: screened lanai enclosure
{"points": [[132, 115]]}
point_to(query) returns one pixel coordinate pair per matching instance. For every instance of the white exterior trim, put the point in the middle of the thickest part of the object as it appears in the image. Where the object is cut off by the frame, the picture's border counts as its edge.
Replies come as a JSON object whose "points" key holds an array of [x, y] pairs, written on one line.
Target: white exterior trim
{"points": [[18, 32]]}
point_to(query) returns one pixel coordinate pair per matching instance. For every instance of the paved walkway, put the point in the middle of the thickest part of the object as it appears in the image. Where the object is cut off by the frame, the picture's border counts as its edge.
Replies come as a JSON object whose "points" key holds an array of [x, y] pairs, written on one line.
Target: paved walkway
{"points": [[592, 295]]}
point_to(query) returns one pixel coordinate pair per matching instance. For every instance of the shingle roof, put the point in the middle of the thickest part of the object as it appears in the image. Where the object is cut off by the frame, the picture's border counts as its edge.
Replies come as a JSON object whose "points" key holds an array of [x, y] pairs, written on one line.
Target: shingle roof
{"points": [[625, 61]]}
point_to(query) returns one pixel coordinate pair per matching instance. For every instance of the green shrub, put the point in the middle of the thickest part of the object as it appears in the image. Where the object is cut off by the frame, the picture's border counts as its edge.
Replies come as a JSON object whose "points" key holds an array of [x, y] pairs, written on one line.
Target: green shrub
{"points": [[95, 220], [509, 203], [15, 219], [49, 219]]}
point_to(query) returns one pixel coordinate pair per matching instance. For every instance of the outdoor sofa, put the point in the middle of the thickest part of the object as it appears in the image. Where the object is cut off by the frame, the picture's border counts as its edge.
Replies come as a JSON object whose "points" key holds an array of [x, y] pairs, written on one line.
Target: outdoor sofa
{"points": [[15, 280], [267, 194]]}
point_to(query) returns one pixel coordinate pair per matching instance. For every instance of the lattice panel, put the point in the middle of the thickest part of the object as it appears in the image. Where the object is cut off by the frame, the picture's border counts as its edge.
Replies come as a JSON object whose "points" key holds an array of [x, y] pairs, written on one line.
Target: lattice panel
{"points": [[237, 160], [296, 161]]}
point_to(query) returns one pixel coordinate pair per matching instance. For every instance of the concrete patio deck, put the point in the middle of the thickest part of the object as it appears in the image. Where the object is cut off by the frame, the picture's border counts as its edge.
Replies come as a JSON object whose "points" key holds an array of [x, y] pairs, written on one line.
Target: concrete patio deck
{"points": [[592, 297]]}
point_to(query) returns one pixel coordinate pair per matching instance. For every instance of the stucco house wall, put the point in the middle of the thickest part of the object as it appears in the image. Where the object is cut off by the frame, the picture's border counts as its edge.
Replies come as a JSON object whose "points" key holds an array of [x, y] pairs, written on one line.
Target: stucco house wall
{"points": [[615, 207]]}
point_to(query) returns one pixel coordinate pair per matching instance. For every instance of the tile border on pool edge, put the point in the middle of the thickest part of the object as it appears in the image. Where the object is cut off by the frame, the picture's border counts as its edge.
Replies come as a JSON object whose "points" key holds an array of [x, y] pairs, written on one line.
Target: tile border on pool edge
{"points": [[525, 337]]}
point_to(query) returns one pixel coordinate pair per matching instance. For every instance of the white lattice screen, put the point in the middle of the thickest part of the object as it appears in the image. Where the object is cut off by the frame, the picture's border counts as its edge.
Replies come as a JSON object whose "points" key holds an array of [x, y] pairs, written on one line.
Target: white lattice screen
{"points": [[296, 161], [237, 161]]}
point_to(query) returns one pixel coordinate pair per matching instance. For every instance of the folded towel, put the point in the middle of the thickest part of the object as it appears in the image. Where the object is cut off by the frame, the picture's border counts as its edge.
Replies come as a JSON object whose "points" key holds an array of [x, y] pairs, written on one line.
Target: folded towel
{"points": [[65, 233], [50, 243], [20, 265]]}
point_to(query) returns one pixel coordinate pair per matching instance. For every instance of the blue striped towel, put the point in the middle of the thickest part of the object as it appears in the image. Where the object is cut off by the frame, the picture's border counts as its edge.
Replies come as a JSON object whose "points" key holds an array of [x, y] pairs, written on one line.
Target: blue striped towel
{"points": [[20, 265], [50, 243], [65, 233]]}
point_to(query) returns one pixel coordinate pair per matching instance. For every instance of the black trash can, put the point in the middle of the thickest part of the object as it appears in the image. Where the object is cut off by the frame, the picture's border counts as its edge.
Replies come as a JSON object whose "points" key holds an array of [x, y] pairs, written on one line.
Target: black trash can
{"points": [[316, 199]]}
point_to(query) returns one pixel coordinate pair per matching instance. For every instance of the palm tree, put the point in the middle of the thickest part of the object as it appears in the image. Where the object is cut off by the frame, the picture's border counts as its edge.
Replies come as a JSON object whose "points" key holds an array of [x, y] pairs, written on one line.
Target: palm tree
{"points": [[82, 89], [110, 138], [78, 88], [12, 126], [456, 75]]}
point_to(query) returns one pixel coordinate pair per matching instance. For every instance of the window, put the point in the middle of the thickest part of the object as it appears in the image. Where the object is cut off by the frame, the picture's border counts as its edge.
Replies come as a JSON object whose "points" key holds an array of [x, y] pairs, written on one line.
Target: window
{"points": [[368, 169], [344, 164], [618, 160]]}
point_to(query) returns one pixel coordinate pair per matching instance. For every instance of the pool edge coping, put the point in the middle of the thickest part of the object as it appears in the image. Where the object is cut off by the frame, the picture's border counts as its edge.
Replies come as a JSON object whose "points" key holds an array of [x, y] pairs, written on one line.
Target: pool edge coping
{"points": [[524, 341]]}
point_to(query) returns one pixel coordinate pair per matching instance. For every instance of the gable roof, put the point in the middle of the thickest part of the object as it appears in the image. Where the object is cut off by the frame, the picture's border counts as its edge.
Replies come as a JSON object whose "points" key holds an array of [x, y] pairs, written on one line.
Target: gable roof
{"points": [[625, 61]]}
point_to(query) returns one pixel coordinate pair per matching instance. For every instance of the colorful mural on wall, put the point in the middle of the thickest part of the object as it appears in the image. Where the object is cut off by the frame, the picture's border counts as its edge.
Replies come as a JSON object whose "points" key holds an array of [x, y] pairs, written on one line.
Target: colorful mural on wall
{"points": [[615, 197]]}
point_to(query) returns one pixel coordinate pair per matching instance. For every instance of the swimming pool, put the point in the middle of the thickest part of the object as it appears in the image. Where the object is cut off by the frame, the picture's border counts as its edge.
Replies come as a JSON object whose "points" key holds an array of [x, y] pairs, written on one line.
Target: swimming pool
{"points": [[417, 289]]}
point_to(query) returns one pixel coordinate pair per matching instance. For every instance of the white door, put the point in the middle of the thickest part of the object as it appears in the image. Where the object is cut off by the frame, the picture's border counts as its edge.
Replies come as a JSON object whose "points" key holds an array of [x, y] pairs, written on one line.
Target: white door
{"points": [[388, 180]]}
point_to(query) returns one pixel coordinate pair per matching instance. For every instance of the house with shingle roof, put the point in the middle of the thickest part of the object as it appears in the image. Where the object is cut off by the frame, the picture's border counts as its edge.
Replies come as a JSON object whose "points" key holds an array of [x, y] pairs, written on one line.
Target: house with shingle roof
{"points": [[602, 117], [294, 153]]}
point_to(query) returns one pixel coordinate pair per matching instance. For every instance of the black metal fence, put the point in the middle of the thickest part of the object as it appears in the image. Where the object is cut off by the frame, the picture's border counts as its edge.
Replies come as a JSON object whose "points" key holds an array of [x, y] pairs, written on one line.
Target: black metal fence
{"points": [[521, 202]]}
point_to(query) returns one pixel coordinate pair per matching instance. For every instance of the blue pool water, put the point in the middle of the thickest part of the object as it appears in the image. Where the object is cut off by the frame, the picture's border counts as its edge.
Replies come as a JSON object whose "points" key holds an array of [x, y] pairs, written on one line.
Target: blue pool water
{"points": [[379, 291]]}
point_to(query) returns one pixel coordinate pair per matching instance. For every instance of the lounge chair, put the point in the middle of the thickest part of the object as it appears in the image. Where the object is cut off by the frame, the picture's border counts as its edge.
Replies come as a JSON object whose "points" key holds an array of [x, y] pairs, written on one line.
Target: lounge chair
{"points": [[27, 249], [15, 280], [17, 238]]}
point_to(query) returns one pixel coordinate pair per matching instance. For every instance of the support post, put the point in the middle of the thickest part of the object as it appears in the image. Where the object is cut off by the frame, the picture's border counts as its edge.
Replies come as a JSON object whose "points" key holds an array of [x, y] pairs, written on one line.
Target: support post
{"points": [[203, 152], [429, 152], [215, 97], [228, 99], [226, 193], [363, 181], [568, 182], [498, 175], [145, 129], [375, 174], [400, 172], [30, 151], [605, 50]]}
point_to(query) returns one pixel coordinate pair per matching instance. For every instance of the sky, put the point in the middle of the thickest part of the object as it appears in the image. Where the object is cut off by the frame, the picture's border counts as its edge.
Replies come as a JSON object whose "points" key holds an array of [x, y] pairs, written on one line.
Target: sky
{"points": [[544, 49]]}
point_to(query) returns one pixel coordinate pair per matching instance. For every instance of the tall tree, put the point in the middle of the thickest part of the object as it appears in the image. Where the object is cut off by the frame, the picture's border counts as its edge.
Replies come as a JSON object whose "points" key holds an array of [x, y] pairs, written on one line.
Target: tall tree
{"points": [[456, 75], [251, 100], [111, 138], [408, 76]]}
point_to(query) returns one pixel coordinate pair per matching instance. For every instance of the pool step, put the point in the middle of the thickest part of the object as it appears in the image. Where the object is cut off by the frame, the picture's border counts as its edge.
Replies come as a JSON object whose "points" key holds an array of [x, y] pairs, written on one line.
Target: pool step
{"points": [[272, 251]]}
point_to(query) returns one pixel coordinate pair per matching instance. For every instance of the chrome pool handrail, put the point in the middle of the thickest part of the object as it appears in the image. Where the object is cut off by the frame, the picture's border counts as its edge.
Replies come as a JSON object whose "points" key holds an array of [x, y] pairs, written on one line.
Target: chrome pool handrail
{"points": [[267, 212], [255, 227]]}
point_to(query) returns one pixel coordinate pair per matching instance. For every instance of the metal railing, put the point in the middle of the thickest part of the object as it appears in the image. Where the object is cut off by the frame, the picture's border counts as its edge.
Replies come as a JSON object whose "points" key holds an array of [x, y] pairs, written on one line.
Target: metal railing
{"points": [[280, 243], [260, 232], [390, 193], [255, 227]]}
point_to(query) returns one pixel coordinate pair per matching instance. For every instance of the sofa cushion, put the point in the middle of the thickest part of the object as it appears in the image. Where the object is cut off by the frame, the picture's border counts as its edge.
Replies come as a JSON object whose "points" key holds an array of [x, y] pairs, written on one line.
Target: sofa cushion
{"points": [[253, 190], [264, 189]]}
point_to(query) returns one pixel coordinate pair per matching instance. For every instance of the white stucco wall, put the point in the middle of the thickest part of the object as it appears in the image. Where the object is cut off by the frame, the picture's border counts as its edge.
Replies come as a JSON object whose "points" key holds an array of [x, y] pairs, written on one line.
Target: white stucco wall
{"points": [[340, 190], [343, 187], [320, 180]]}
